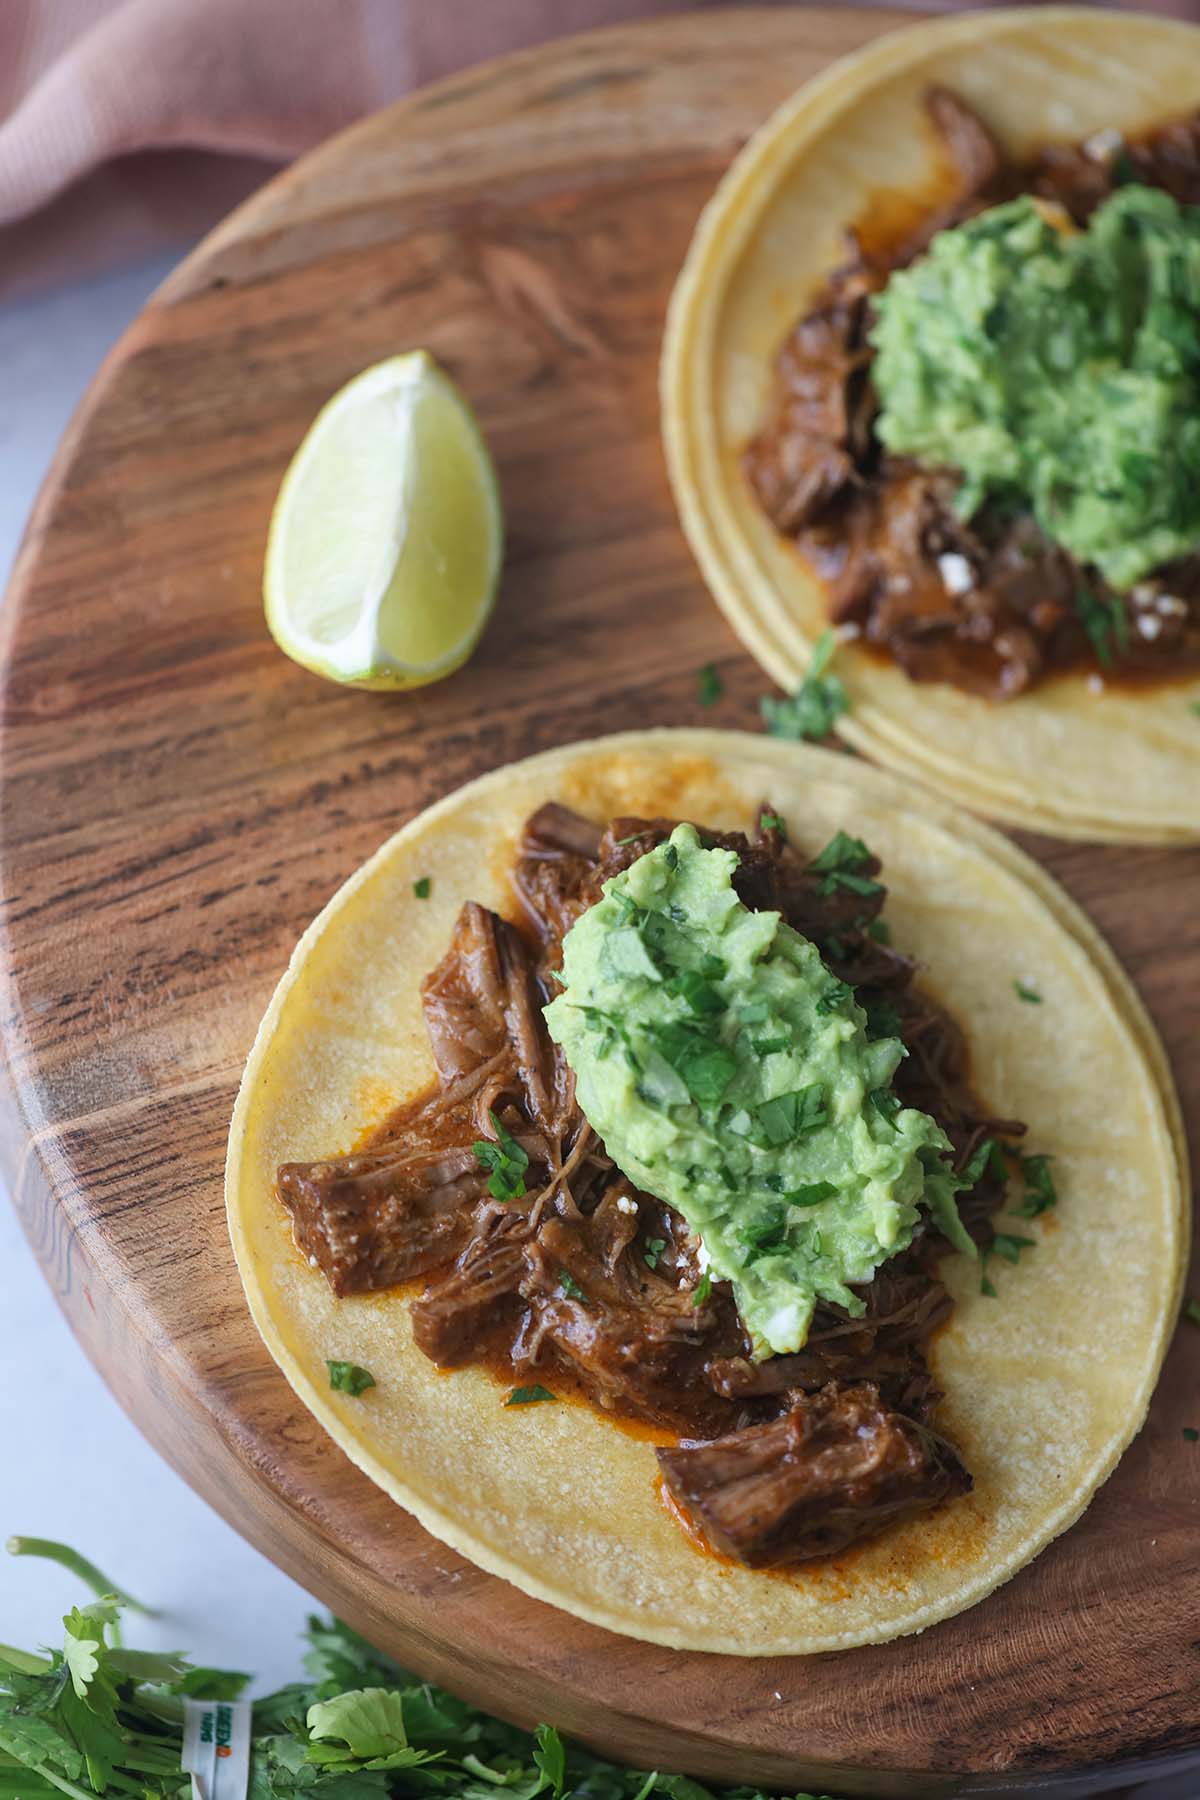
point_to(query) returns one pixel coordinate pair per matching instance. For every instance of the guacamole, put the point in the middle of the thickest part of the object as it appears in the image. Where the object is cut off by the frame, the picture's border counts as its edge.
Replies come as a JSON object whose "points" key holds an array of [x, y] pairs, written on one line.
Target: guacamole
{"points": [[1059, 370], [730, 1074]]}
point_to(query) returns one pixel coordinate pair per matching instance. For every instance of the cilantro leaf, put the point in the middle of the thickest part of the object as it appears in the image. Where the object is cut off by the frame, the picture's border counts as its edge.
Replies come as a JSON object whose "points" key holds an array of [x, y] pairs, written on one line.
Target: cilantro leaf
{"points": [[812, 1193], [1191, 1434], [834, 998], [653, 1251], [839, 862], [422, 886], [709, 685], [771, 821], [1028, 994], [550, 1759], [815, 707], [1105, 621], [506, 1160], [703, 1290], [363, 1729], [349, 1378], [703, 1064], [1191, 1310], [569, 1285], [529, 1396], [789, 1116], [886, 1104], [880, 931], [987, 1154], [1040, 1194], [841, 852], [1009, 1245]]}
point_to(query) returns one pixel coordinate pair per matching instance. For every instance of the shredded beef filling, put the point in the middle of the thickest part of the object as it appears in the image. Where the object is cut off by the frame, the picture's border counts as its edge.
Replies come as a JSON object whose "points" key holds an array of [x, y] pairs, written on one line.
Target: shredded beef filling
{"points": [[587, 1286], [991, 604]]}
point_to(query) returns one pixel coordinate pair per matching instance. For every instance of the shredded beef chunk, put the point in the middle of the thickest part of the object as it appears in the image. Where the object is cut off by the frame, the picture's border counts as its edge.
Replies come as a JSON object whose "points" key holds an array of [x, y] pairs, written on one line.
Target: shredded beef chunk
{"points": [[990, 606], [834, 1468], [588, 1286]]}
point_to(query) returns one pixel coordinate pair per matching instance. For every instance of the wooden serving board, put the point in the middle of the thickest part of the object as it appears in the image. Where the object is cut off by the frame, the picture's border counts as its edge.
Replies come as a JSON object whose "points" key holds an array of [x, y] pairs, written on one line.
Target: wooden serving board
{"points": [[178, 800]]}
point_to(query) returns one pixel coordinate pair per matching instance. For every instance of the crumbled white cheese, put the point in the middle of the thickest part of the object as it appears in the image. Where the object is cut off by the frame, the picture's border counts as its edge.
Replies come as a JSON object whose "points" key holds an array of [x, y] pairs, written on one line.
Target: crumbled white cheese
{"points": [[1144, 594], [702, 1257], [957, 575], [1102, 146], [627, 1204], [1095, 684], [1149, 625], [1170, 606], [848, 632]]}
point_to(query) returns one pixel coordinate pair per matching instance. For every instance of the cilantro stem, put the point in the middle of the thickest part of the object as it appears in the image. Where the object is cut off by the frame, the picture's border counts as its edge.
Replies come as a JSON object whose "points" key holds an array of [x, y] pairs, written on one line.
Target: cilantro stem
{"points": [[65, 1786], [24, 1664], [78, 1565]]}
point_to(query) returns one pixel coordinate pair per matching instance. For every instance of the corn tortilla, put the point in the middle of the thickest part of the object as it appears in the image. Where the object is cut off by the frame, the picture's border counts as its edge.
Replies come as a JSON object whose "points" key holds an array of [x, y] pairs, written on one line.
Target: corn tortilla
{"points": [[1122, 765], [1045, 1386]]}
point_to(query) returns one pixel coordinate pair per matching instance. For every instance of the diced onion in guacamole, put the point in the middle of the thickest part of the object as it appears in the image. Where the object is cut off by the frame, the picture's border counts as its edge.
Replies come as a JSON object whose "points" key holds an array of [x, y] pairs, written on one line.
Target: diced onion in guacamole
{"points": [[1058, 370], [730, 1074]]}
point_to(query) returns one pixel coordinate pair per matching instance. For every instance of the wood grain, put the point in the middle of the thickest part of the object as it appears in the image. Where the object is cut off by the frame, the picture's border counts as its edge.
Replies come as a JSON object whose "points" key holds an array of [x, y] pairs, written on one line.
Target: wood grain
{"points": [[178, 800]]}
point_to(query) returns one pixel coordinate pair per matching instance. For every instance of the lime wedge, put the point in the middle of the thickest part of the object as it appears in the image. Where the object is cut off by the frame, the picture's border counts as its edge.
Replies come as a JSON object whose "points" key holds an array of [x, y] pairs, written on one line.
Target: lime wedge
{"points": [[386, 537]]}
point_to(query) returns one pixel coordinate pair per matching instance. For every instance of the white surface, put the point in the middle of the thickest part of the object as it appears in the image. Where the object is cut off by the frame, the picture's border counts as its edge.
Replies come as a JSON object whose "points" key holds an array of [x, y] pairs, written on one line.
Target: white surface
{"points": [[72, 1466]]}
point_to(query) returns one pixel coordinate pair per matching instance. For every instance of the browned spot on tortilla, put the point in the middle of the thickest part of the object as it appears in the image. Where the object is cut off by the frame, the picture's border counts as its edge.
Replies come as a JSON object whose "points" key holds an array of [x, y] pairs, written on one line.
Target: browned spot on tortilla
{"points": [[674, 786]]}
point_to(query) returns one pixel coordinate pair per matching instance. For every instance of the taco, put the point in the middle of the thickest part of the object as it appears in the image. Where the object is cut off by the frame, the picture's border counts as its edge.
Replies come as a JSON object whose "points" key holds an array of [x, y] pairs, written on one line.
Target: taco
{"points": [[779, 1165], [931, 382]]}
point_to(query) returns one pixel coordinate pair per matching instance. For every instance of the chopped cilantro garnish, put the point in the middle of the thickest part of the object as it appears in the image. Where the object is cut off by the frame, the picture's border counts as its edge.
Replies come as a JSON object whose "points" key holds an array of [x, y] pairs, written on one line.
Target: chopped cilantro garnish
{"points": [[694, 988], [422, 886], [713, 966], [506, 1160], [816, 705], [986, 1286], [1040, 1193], [349, 1378], [653, 1251], [841, 852], [1027, 993], [710, 685], [528, 1396], [1191, 1434], [834, 998], [569, 1286], [764, 1233], [704, 1066], [880, 930], [703, 1289], [886, 1104], [835, 948], [987, 1154], [671, 857], [1105, 621], [839, 862], [812, 1193], [768, 1046], [771, 821], [1191, 1310], [790, 1116], [1194, 707], [1009, 1245]]}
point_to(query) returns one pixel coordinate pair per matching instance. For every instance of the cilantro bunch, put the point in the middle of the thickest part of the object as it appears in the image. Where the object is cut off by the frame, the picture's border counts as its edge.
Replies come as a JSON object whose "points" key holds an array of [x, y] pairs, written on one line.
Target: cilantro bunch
{"points": [[98, 1719]]}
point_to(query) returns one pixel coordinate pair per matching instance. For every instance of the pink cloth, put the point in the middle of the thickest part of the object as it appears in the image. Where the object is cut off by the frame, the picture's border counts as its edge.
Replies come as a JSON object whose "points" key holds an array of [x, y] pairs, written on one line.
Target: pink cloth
{"points": [[88, 87]]}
